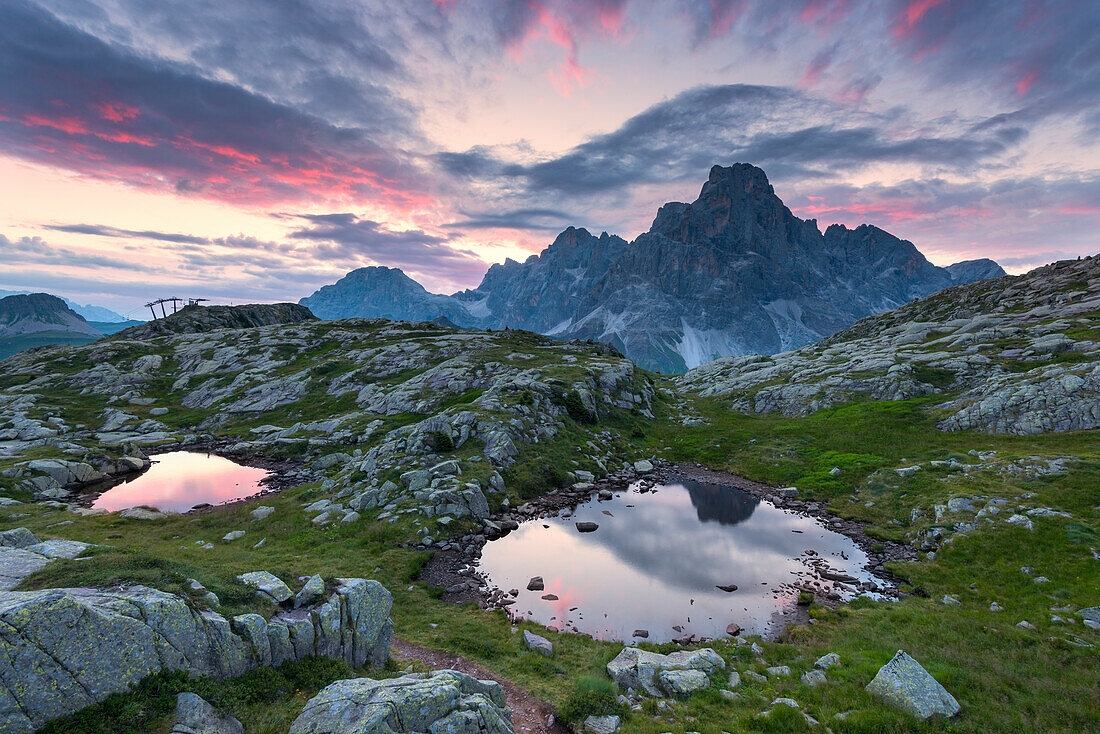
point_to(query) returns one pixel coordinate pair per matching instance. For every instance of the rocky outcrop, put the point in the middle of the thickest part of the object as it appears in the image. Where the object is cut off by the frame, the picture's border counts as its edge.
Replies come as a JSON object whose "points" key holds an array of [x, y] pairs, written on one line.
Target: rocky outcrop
{"points": [[441, 702], [64, 649], [199, 319], [1016, 355], [903, 684], [645, 671], [734, 272]]}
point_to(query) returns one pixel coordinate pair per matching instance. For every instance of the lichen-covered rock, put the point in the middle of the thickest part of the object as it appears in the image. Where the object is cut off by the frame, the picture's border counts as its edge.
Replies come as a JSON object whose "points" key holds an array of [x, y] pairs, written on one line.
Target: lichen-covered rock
{"points": [[639, 669], [64, 649], [681, 683], [268, 584], [196, 716], [441, 702], [903, 684]]}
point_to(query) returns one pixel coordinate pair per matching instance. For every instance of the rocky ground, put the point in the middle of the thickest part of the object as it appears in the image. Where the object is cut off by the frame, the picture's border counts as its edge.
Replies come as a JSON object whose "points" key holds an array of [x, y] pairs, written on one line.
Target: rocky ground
{"points": [[401, 448], [1017, 355]]}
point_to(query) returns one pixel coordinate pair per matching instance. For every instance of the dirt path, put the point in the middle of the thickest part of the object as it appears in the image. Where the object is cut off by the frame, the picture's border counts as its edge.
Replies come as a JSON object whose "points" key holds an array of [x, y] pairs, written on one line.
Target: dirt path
{"points": [[529, 714]]}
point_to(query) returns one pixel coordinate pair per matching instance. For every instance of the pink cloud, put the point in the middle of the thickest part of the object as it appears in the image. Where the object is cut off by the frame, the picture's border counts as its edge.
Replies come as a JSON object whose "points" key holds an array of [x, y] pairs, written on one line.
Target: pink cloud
{"points": [[914, 11]]}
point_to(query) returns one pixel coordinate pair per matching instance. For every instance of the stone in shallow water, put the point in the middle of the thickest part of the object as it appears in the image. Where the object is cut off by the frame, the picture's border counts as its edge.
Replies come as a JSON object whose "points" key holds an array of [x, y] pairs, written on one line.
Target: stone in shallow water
{"points": [[903, 684], [441, 702]]}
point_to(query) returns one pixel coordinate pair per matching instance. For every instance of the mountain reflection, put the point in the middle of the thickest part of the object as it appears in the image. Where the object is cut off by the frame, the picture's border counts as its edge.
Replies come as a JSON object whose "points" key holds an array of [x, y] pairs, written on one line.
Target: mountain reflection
{"points": [[657, 558], [725, 505]]}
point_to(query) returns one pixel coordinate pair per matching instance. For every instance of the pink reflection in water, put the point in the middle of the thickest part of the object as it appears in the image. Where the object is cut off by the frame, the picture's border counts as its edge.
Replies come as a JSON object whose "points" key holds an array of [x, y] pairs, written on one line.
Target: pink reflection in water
{"points": [[656, 562], [180, 480]]}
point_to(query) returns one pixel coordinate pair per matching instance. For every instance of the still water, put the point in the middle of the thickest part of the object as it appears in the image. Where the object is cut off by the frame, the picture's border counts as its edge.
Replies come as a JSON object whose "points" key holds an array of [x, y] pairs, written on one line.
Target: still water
{"points": [[179, 480], [657, 558]]}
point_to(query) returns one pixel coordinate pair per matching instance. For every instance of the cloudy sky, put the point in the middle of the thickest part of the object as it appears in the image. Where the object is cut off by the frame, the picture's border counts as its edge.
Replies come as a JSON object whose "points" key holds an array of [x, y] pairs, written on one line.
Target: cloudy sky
{"points": [[257, 149]]}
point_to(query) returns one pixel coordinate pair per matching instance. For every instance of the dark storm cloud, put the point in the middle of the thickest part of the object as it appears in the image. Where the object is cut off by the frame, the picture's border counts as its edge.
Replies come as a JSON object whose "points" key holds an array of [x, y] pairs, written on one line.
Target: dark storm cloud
{"points": [[540, 220], [789, 133], [346, 236], [69, 99]]}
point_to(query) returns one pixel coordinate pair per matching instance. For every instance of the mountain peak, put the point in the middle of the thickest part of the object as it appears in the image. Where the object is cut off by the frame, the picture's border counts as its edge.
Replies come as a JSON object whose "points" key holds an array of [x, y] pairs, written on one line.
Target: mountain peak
{"points": [[34, 312]]}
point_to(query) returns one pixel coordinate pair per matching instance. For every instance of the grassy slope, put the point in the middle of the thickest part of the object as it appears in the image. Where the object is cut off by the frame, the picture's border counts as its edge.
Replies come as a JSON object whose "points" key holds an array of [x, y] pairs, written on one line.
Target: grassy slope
{"points": [[1004, 678]]}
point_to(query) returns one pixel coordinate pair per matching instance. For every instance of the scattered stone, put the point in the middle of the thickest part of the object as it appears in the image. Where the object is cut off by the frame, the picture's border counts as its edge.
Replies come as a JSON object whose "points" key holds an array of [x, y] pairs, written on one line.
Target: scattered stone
{"points": [[779, 671], [995, 607], [1022, 521], [1025, 625], [535, 584], [233, 535], [262, 512], [733, 629], [682, 683], [602, 724], [644, 634], [813, 678], [196, 716], [268, 585], [312, 589], [441, 702], [538, 644], [787, 492], [754, 676], [950, 601], [903, 684], [1040, 580], [643, 466], [143, 513], [59, 548], [638, 669], [18, 538], [734, 679], [587, 527]]}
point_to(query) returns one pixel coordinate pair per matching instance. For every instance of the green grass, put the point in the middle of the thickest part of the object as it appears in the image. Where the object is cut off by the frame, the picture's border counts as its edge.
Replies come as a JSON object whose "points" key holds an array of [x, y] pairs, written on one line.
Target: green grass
{"points": [[1006, 679]]}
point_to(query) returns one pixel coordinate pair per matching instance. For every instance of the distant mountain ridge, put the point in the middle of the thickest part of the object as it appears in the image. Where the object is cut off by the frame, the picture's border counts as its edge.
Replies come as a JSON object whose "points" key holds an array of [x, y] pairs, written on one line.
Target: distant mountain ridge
{"points": [[38, 319], [88, 311], [734, 272]]}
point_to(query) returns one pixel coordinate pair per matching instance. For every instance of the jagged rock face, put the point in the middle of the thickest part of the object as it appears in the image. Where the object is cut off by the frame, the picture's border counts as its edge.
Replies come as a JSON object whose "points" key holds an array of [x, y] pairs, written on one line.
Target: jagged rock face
{"points": [[545, 292], [1016, 355], [201, 319], [64, 649], [382, 293], [27, 314], [734, 272]]}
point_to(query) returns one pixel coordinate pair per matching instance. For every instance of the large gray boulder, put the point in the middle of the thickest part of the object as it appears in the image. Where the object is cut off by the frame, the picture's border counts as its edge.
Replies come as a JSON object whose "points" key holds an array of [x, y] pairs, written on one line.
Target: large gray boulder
{"points": [[441, 702], [64, 649], [639, 669], [904, 685]]}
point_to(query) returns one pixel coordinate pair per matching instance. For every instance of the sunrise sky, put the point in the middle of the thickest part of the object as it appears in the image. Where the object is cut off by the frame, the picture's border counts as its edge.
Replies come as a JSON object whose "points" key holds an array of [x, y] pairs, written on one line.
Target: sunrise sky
{"points": [[254, 150]]}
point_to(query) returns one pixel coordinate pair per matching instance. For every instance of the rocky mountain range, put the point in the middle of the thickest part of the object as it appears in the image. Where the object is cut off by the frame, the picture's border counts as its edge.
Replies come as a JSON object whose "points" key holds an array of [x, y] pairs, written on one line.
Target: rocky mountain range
{"points": [[734, 272]]}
